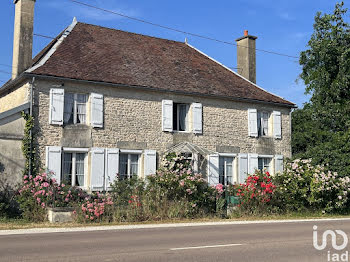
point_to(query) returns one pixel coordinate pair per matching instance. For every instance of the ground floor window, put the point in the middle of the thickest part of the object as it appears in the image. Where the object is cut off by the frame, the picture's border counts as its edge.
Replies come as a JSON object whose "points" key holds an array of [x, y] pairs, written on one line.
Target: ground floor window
{"points": [[264, 164], [128, 165], [74, 169], [226, 170]]}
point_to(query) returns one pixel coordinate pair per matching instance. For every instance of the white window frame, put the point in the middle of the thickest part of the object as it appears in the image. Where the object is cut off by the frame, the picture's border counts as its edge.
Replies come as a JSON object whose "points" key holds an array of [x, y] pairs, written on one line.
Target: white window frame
{"points": [[75, 151], [187, 120], [261, 122], [129, 153], [264, 157], [75, 108], [226, 155]]}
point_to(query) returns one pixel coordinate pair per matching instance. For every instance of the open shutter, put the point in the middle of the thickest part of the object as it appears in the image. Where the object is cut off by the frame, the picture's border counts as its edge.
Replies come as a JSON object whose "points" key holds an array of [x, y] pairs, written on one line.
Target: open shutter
{"points": [[252, 122], [150, 162], [53, 161], [213, 169], [112, 166], [278, 163], [197, 117], [242, 167], [56, 106], [96, 110], [97, 169], [167, 115], [277, 125], [252, 163]]}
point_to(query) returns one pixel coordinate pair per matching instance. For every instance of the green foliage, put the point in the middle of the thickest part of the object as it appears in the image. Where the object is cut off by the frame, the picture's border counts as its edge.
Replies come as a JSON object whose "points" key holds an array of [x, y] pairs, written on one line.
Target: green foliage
{"points": [[303, 186], [8, 206], [320, 128], [28, 148]]}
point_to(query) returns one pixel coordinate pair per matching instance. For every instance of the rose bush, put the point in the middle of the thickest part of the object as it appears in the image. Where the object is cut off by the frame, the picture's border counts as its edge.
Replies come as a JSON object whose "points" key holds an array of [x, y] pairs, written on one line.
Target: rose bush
{"points": [[304, 186]]}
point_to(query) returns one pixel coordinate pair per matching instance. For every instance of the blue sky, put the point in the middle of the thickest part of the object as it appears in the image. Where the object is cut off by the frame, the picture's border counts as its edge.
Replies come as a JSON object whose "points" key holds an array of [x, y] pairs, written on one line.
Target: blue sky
{"points": [[282, 26]]}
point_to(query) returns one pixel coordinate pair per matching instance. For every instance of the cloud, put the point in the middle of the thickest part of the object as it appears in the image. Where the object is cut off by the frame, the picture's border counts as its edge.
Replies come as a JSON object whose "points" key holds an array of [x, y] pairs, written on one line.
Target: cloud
{"points": [[286, 16], [85, 12]]}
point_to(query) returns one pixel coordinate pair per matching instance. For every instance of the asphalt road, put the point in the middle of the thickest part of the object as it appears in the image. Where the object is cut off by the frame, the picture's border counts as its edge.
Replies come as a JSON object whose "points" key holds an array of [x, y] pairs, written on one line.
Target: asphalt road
{"points": [[250, 242]]}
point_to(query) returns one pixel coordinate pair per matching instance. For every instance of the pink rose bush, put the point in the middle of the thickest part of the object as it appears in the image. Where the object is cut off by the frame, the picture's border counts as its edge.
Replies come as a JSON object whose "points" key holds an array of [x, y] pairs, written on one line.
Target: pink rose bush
{"points": [[304, 186], [95, 208]]}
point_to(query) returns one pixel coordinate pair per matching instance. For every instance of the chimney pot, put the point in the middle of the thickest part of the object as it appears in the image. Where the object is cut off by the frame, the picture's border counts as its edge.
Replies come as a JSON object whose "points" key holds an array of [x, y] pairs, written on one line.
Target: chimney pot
{"points": [[245, 32]]}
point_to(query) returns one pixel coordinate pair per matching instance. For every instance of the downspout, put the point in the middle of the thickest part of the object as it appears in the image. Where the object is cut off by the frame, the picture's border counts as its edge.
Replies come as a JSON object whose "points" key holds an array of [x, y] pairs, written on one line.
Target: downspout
{"points": [[31, 129]]}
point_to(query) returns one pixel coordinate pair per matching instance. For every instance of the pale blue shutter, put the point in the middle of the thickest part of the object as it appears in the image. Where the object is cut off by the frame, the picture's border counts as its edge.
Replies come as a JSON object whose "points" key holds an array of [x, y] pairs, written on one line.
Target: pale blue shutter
{"points": [[242, 167], [197, 117], [277, 125], [56, 106], [97, 169], [97, 110], [167, 115], [150, 162], [213, 169], [252, 163], [112, 166], [53, 161], [278, 163], [252, 122]]}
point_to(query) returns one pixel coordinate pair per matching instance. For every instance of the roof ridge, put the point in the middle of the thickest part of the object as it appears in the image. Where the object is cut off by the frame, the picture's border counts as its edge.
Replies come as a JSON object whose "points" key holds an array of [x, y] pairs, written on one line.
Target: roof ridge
{"points": [[53, 49], [114, 29]]}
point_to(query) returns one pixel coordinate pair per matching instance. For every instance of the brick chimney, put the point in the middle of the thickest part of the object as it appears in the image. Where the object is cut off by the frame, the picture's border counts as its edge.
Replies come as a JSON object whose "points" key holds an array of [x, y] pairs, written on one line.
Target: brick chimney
{"points": [[246, 58], [23, 36]]}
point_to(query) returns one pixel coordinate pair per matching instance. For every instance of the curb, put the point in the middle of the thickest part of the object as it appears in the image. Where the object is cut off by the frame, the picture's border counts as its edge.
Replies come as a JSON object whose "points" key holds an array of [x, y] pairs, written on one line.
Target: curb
{"points": [[151, 226]]}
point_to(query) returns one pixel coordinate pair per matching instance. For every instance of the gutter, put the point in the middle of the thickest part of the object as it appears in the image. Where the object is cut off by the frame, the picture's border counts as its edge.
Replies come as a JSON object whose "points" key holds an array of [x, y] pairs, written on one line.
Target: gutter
{"points": [[239, 99]]}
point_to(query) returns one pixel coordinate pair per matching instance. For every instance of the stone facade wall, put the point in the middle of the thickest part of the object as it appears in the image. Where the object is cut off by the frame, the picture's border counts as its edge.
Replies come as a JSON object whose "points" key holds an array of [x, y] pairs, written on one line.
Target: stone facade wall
{"points": [[14, 97], [134, 117]]}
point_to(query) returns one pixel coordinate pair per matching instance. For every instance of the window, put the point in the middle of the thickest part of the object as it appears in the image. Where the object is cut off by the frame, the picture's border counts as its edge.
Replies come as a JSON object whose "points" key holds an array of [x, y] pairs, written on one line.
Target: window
{"points": [[75, 108], [128, 165], [180, 117], [263, 123], [264, 164], [74, 169], [226, 170]]}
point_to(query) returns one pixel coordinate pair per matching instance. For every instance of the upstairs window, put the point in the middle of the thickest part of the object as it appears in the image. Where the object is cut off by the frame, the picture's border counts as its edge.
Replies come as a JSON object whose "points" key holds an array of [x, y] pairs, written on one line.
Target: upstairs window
{"points": [[74, 169], [75, 108], [263, 123], [128, 165], [180, 117]]}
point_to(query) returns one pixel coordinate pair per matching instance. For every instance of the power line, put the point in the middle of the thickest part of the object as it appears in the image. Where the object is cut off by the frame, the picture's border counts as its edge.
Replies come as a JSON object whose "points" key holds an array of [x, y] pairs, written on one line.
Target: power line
{"points": [[176, 30], [44, 36]]}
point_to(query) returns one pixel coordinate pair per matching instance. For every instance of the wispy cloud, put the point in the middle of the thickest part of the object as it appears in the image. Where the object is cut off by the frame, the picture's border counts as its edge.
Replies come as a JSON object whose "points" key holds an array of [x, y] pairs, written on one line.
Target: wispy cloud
{"points": [[84, 12], [286, 16]]}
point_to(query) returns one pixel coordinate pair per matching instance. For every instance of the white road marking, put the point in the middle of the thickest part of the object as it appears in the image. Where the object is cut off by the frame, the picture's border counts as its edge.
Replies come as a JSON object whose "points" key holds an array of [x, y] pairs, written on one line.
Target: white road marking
{"points": [[199, 247]]}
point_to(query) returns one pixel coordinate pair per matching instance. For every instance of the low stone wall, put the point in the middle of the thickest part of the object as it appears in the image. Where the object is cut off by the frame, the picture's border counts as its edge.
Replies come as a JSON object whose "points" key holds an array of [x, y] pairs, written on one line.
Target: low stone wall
{"points": [[60, 215]]}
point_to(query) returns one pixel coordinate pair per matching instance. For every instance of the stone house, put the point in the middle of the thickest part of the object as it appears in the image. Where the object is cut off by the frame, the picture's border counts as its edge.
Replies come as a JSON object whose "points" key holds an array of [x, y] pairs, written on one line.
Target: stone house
{"points": [[109, 102]]}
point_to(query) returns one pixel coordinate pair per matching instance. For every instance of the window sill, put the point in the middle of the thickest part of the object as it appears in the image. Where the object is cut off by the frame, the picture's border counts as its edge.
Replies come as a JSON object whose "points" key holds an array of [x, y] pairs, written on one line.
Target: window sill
{"points": [[77, 126]]}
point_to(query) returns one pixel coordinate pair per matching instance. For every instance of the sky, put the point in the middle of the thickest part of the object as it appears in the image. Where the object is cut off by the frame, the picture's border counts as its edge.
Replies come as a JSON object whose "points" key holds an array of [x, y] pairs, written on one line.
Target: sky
{"points": [[282, 26]]}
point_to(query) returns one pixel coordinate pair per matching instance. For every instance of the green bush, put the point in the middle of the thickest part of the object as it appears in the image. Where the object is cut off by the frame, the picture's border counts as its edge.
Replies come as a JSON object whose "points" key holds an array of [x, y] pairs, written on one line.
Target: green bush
{"points": [[8, 205], [304, 186]]}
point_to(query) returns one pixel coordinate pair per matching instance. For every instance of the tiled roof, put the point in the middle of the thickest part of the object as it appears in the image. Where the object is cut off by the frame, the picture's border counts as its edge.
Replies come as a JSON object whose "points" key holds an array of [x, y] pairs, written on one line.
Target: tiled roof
{"points": [[101, 54]]}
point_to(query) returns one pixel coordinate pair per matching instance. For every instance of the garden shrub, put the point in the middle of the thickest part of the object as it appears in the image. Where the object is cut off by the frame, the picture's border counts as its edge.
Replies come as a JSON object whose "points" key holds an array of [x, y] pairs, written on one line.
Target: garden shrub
{"points": [[39, 192], [304, 186], [256, 194], [8, 205]]}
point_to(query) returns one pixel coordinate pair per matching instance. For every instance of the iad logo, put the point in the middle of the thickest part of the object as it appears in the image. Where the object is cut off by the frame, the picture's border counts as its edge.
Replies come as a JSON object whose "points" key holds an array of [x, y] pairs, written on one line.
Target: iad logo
{"points": [[332, 234]]}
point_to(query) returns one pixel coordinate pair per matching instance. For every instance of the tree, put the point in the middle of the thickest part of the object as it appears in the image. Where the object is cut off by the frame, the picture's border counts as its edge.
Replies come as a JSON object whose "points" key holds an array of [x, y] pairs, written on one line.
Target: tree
{"points": [[321, 127]]}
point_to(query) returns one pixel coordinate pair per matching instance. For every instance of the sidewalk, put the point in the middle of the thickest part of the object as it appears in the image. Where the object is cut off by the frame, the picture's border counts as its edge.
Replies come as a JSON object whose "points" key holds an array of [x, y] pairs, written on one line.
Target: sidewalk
{"points": [[150, 226]]}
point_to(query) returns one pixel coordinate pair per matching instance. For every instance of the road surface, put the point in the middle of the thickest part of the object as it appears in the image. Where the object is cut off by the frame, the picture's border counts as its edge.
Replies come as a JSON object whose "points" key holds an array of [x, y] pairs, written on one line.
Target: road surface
{"points": [[248, 242]]}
